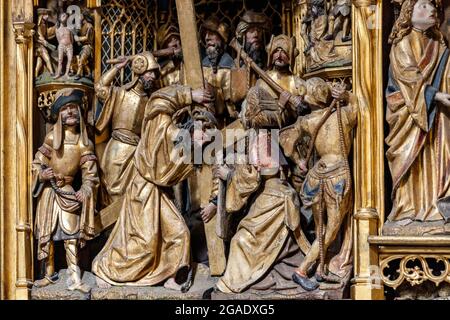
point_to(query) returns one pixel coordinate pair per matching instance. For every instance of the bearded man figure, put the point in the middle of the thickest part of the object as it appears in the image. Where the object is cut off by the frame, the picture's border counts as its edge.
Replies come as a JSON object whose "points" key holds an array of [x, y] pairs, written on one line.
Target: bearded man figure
{"points": [[252, 33], [123, 109], [63, 214]]}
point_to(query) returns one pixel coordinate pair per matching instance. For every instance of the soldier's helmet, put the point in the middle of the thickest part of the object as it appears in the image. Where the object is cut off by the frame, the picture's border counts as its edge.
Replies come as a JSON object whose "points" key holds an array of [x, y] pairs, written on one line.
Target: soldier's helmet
{"points": [[289, 45], [253, 19], [165, 32], [144, 62], [215, 25]]}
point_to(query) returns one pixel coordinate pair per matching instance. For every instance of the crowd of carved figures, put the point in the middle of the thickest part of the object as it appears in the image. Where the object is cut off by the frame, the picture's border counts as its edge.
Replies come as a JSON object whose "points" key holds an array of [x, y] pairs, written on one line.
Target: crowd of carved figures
{"points": [[281, 222]]}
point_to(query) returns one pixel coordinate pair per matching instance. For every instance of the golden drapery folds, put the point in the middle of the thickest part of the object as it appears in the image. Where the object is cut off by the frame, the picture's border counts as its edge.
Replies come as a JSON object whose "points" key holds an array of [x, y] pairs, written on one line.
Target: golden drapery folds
{"points": [[263, 252], [419, 137], [150, 241]]}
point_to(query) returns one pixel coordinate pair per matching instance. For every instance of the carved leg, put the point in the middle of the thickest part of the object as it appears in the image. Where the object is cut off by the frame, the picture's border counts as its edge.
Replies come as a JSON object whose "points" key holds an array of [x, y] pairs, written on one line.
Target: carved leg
{"points": [[60, 62], [330, 32], [69, 52], [50, 276], [48, 62], [346, 36], [39, 66], [216, 249], [73, 271]]}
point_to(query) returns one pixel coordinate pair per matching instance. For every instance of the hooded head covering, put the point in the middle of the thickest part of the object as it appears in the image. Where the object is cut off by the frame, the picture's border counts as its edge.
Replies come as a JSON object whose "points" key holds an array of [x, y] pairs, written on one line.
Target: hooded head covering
{"points": [[253, 19], [165, 32], [287, 44], [63, 98], [215, 25]]}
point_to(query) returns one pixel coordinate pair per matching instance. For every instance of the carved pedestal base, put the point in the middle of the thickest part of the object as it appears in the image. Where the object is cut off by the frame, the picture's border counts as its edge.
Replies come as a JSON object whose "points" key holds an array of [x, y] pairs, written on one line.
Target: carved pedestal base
{"points": [[201, 284], [414, 267], [326, 291]]}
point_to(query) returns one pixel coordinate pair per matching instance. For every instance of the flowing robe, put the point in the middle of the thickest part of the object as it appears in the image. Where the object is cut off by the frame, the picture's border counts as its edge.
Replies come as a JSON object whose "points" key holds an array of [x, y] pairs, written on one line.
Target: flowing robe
{"points": [[419, 137], [263, 252], [150, 241]]}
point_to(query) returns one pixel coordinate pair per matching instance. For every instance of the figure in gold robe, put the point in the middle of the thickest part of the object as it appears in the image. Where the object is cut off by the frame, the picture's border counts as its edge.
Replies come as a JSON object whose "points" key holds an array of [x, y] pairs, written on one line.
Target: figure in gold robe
{"points": [[123, 110], [418, 116], [266, 246], [150, 241], [62, 213]]}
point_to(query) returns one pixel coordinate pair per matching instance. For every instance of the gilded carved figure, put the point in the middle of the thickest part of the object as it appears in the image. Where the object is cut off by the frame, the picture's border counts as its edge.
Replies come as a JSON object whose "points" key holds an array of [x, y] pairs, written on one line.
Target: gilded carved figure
{"points": [[418, 101], [172, 67], [123, 110], [150, 242], [85, 40], [45, 32], [63, 213], [65, 37], [328, 185]]}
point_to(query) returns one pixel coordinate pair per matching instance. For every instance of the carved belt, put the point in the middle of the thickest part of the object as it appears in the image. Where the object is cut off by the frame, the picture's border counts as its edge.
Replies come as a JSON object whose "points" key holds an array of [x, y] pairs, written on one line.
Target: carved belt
{"points": [[126, 136]]}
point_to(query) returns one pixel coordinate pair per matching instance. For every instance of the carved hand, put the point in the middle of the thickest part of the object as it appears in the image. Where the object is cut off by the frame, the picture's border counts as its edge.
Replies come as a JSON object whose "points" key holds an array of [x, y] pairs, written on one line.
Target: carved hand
{"points": [[47, 174], [221, 172], [80, 196], [339, 93], [124, 62], [284, 98], [443, 98], [208, 212], [203, 96]]}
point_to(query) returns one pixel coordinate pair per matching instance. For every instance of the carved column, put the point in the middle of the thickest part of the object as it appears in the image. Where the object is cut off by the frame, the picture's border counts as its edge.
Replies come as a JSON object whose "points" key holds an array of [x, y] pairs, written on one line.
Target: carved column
{"points": [[16, 148], [369, 163]]}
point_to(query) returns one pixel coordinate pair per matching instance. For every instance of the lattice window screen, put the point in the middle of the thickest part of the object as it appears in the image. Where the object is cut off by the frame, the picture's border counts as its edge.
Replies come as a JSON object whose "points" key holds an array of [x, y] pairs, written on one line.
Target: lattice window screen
{"points": [[128, 27]]}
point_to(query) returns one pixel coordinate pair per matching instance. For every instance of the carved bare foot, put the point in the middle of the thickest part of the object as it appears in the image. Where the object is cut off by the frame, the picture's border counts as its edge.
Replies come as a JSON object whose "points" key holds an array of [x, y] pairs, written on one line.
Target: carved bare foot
{"points": [[83, 288], [102, 284], [172, 285]]}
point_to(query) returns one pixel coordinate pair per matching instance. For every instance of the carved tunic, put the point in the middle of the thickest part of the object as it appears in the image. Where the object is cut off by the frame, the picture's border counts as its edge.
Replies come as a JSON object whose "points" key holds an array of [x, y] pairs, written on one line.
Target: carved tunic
{"points": [[124, 109], [59, 214]]}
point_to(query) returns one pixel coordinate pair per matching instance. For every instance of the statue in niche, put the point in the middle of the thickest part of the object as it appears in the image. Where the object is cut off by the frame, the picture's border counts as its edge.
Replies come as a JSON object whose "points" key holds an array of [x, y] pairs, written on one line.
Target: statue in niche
{"points": [[418, 102], [62, 213], [339, 19], [324, 20], [45, 32], [65, 37], [85, 40], [328, 185]]}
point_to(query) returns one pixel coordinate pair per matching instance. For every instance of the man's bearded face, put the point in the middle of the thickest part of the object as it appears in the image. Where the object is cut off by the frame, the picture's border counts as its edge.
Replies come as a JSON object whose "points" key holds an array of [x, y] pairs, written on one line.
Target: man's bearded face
{"points": [[175, 43], [214, 46], [148, 80], [70, 115], [254, 46], [280, 59]]}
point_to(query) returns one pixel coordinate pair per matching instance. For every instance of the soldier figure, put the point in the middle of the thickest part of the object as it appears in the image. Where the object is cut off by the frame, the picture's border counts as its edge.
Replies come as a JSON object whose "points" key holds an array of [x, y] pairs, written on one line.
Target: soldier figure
{"points": [[44, 33], [124, 109], [86, 40], [62, 213]]}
